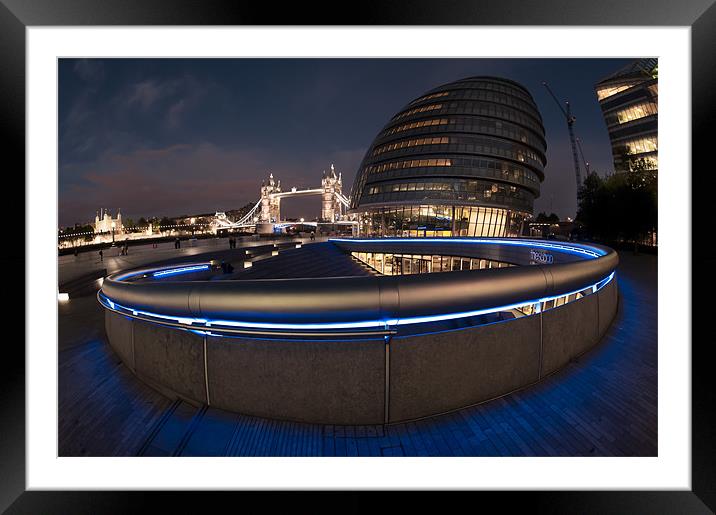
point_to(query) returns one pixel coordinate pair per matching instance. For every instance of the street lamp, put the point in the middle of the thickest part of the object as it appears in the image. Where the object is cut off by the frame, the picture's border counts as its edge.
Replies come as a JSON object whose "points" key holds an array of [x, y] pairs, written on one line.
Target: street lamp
{"points": [[113, 226]]}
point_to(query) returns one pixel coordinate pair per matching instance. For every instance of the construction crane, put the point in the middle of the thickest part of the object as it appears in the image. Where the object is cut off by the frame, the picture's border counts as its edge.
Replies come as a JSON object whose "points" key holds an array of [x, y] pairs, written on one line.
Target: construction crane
{"points": [[570, 118], [584, 159]]}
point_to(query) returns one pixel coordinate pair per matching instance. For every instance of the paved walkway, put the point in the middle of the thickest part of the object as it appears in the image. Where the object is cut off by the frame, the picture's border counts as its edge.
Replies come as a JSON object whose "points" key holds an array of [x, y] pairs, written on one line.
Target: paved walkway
{"points": [[604, 404], [72, 267]]}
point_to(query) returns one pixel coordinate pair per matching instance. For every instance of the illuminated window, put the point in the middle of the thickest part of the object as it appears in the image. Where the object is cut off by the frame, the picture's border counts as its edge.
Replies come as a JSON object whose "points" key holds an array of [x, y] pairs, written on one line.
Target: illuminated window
{"points": [[641, 145], [428, 97], [415, 125], [410, 163], [431, 107], [630, 113], [650, 162], [410, 143], [606, 92]]}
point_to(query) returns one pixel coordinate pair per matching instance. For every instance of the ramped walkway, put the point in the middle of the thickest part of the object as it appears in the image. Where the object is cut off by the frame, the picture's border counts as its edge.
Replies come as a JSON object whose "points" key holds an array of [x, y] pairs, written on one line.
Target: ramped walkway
{"points": [[604, 404]]}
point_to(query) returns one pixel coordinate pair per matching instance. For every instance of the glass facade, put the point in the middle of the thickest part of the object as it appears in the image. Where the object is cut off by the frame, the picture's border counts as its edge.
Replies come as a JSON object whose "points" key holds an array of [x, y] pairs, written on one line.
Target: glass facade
{"points": [[466, 158], [629, 102], [443, 220], [633, 112], [406, 264], [639, 145]]}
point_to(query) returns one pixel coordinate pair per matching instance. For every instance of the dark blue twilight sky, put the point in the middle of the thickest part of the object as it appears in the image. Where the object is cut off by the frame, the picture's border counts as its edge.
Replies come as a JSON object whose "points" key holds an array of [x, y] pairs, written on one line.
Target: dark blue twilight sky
{"points": [[159, 137]]}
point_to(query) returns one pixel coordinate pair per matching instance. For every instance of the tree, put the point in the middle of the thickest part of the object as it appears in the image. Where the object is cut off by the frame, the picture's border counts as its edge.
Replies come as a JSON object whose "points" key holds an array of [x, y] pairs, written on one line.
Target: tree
{"points": [[166, 222], [84, 232], [620, 207], [543, 218]]}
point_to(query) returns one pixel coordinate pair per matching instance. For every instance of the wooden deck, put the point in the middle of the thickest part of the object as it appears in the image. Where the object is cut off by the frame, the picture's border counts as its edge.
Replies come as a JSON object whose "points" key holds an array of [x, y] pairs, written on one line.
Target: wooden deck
{"points": [[604, 404]]}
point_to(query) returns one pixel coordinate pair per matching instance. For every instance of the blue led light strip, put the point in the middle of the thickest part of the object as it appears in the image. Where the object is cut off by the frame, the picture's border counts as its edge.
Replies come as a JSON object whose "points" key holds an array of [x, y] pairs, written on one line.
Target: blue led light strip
{"points": [[201, 323], [183, 270], [583, 250], [164, 271]]}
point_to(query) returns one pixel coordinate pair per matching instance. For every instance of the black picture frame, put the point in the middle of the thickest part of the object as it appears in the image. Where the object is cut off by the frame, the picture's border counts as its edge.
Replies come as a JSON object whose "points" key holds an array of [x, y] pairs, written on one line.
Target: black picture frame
{"points": [[17, 15]]}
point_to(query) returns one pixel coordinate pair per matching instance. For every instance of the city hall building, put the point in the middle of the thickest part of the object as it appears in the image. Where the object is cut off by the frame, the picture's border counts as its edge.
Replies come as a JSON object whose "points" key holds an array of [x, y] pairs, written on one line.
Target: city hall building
{"points": [[464, 159]]}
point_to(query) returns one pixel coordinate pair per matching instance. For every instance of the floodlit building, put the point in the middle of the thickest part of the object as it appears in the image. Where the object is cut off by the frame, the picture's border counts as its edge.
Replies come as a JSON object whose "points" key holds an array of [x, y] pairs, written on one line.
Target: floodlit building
{"points": [[464, 159], [103, 222], [629, 102]]}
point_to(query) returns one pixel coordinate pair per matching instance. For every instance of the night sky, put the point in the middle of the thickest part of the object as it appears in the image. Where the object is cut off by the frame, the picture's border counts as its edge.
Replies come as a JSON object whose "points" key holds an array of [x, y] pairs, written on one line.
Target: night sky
{"points": [[171, 137]]}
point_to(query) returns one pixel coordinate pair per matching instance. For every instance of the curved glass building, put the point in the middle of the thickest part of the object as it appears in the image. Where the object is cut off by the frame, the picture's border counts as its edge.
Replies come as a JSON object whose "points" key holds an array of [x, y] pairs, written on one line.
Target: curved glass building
{"points": [[630, 103], [464, 159]]}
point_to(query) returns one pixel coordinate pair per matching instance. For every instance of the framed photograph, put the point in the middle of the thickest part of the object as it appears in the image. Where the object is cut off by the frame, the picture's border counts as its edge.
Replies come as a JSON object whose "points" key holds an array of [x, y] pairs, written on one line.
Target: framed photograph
{"points": [[432, 248]]}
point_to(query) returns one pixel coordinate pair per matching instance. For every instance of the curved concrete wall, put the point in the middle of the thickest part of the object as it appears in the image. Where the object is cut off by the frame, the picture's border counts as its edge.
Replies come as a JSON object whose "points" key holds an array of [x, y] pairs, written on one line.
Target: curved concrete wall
{"points": [[362, 382]]}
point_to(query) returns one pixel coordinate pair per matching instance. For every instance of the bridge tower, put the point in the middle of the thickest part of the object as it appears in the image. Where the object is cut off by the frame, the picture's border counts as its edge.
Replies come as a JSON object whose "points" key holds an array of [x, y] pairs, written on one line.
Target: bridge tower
{"points": [[331, 207], [270, 204]]}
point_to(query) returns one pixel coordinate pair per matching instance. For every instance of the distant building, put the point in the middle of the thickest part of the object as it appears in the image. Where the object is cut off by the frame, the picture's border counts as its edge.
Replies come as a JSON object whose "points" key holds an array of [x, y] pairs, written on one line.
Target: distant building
{"points": [[629, 102], [562, 230], [103, 222]]}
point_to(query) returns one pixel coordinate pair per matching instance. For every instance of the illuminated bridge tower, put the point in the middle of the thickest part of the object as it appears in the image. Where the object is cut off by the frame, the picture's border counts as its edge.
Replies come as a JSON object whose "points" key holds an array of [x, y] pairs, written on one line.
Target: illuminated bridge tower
{"points": [[330, 206], [270, 204]]}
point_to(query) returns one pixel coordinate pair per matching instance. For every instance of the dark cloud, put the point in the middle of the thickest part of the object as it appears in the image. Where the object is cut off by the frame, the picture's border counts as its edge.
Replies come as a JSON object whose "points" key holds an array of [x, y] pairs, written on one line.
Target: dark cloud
{"points": [[89, 70], [180, 136], [145, 93], [187, 178]]}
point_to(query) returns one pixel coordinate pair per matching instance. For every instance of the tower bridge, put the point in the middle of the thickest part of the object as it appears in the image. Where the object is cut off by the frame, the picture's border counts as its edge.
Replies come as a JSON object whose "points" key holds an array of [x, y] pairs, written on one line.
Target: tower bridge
{"points": [[265, 215]]}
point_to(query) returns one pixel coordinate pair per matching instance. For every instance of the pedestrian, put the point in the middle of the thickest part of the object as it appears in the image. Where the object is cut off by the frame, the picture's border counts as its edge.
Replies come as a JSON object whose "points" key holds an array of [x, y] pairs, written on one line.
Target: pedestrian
{"points": [[101, 255], [76, 253]]}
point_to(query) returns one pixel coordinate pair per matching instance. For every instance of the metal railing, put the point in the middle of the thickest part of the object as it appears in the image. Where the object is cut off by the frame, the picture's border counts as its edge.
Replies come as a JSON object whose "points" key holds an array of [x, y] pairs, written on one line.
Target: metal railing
{"points": [[369, 306]]}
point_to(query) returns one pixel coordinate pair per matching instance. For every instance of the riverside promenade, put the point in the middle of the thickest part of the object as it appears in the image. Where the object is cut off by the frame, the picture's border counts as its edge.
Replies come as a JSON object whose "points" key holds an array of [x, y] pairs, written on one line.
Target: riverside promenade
{"points": [[602, 404]]}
